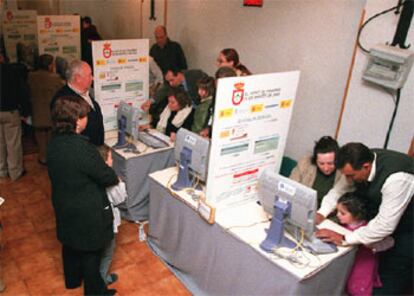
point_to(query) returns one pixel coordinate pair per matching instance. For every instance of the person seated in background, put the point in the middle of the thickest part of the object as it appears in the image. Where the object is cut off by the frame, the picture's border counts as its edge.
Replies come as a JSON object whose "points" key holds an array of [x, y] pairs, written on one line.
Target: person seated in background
{"points": [[319, 170], [43, 83], [206, 91], [178, 113], [186, 80], [229, 57], [166, 53], [222, 72]]}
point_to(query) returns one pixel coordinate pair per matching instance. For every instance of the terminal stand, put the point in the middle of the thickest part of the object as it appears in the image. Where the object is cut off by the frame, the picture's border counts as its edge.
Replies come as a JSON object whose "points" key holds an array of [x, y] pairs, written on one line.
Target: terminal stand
{"points": [[183, 179], [275, 237], [121, 133]]}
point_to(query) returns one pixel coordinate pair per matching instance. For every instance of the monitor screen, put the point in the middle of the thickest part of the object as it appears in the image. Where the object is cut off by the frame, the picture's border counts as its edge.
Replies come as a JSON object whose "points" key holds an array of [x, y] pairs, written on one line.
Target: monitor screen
{"points": [[302, 199], [199, 147], [131, 115]]}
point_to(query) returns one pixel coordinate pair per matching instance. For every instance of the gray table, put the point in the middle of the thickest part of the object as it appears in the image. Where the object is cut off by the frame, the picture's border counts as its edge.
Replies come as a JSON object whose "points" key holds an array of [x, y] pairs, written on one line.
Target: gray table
{"points": [[210, 261], [134, 171]]}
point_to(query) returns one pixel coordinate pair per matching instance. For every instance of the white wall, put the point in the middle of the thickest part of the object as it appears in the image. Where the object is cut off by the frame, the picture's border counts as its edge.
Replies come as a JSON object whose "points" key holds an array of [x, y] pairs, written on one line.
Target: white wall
{"points": [[369, 108], [115, 19], [315, 37]]}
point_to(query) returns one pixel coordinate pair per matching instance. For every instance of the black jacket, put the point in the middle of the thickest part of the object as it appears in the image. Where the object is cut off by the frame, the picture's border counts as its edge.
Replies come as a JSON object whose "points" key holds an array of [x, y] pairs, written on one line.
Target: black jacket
{"points": [[79, 176], [14, 89], [94, 129]]}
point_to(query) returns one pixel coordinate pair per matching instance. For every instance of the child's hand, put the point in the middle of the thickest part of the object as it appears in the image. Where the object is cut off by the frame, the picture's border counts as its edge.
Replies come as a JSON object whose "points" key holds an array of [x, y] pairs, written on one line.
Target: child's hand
{"points": [[330, 236], [205, 132]]}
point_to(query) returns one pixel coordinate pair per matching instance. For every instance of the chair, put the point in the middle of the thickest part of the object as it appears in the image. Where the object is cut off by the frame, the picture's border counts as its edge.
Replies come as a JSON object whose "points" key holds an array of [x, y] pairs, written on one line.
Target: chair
{"points": [[288, 164]]}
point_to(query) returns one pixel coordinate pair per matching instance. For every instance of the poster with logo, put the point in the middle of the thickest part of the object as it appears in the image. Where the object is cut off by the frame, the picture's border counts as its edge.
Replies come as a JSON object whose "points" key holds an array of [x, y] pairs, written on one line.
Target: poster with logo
{"points": [[59, 35], [251, 123], [120, 73], [19, 31]]}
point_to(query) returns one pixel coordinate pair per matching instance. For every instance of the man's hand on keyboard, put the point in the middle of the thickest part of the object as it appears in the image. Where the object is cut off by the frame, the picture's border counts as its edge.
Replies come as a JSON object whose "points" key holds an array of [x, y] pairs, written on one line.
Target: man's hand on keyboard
{"points": [[330, 236]]}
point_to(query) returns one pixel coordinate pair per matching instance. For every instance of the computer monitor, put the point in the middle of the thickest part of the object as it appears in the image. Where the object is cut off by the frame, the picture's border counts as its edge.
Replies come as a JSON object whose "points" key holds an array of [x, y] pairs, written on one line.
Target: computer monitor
{"points": [[191, 152], [292, 205], [128, 121]]}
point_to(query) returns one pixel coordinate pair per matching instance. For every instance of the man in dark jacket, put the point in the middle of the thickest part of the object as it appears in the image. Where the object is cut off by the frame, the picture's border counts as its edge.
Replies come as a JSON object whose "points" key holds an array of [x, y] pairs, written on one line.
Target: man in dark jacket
{"points": [[166, 53], [79, 82]]}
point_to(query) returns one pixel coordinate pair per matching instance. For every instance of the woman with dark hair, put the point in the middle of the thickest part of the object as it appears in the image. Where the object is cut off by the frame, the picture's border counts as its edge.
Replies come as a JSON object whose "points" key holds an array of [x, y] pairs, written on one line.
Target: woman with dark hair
{"points": [[178, 113], [79, 176], [229, 57], [319, 170]]}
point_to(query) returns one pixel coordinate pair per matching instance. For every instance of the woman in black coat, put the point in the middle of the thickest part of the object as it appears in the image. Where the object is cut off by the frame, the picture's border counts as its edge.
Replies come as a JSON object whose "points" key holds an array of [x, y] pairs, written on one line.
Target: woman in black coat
{"points": [[79, 177]]}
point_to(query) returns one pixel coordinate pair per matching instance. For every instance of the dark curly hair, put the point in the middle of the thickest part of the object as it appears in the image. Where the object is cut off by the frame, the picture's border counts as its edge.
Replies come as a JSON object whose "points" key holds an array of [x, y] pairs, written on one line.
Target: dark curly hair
{"points": [[356, 205], [325, 144], [355, 154], [180, 96], [66, 111]]}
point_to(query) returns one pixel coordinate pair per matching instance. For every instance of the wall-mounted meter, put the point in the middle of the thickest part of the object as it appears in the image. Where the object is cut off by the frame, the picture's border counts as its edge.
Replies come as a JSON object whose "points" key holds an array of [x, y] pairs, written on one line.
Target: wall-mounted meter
{"points": [[388, 66]]}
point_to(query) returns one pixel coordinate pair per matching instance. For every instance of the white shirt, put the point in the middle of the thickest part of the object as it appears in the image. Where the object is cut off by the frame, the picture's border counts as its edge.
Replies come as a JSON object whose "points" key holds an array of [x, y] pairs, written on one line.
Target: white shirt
{"points": [[397, 191], [117, 194], [85, 95]]}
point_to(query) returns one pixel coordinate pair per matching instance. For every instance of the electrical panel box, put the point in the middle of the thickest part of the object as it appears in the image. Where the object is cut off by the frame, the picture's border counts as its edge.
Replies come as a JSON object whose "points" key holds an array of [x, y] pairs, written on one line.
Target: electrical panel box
{"points": [[388, 66]]}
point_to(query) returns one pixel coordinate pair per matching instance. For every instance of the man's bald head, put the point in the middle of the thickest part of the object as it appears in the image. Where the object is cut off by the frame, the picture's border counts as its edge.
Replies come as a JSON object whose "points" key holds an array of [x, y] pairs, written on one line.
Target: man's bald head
{"points": [[79, 75], [161, 36]]}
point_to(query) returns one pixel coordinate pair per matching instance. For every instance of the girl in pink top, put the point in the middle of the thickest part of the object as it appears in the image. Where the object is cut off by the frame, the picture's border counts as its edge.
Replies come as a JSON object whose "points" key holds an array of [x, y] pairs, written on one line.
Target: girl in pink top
{"points": [[352, 214]]}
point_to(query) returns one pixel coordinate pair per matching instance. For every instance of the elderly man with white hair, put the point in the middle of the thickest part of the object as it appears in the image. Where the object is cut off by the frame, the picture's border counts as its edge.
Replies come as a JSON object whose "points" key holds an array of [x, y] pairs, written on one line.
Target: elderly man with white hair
{"points": [[79, 80]]}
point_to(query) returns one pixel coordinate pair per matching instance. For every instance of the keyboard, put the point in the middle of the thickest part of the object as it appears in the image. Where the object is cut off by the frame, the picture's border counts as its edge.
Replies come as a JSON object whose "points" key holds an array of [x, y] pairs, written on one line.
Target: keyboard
{"points": [[151, 141], [317, 246]]}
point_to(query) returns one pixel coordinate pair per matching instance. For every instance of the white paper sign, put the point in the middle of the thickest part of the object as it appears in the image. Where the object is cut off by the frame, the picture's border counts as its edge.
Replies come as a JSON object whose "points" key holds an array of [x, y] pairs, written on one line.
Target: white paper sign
{"points": [[59, 35], [19, 26], [251, 123], [120, 73]]}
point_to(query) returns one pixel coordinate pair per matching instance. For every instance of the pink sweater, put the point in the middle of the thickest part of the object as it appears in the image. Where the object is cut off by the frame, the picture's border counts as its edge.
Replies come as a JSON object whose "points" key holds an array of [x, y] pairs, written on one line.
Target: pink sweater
{"points": [[364, 273]]}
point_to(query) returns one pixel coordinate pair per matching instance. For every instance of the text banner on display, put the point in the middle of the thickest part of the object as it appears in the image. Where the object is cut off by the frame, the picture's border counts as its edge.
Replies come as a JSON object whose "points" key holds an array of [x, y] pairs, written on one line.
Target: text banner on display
{"points": [[59, 35], [19, 26], [120, 74], [251, 123]]}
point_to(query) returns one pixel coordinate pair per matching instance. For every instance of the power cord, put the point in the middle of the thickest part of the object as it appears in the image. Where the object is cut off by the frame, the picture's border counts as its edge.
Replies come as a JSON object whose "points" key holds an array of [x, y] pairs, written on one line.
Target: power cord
{"points": [[369, 20]]}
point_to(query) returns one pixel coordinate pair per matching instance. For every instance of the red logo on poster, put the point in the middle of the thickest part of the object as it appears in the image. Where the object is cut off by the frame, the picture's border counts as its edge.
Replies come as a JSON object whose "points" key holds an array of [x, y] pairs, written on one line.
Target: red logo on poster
{"points": [[48, 23], [107, 51], [9, 15], [238, 93]]}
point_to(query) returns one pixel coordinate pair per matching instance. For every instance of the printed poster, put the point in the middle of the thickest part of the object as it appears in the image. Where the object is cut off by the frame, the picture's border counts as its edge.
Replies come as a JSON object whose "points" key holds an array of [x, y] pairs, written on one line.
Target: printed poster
{"points": [[251, 123], [19, 27], [59, 35], [120, 73]]}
